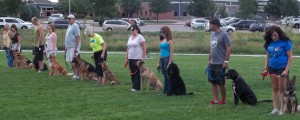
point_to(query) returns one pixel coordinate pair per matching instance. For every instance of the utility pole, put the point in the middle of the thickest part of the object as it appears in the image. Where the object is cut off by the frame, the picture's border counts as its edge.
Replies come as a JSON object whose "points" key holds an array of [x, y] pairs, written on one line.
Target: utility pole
{"points": [[69, 7]]}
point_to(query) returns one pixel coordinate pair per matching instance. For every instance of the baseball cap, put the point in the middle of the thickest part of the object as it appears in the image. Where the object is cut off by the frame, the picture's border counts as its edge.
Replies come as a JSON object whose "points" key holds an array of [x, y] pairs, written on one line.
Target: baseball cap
{"points": [[71, 16], [215, 21]]}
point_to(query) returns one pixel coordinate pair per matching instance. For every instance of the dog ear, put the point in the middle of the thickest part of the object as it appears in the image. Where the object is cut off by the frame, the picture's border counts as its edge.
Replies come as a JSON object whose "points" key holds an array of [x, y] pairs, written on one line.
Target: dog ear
{"points": [[294, 80]]}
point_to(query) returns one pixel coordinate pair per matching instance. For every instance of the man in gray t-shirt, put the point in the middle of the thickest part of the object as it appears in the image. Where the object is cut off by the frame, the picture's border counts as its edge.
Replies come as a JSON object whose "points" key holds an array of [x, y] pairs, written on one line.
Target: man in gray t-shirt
{"points": [[72, 43], [220, 48]]}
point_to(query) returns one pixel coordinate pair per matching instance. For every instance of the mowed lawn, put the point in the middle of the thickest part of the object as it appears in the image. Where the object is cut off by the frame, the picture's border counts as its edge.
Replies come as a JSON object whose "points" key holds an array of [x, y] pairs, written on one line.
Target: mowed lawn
{"points": [[26, 95]]}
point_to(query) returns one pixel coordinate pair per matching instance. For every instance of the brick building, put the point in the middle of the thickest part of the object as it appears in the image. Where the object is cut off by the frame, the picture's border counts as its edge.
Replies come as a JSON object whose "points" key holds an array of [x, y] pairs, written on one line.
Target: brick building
{"points": [[45, 7]]}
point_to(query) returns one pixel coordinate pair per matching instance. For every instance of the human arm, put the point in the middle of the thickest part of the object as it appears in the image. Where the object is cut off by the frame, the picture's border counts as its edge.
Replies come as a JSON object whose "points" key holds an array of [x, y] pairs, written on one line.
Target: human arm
{"points": [[171, 51], [103, 49], [54, 41], [228, 51], [143, 44], [41, 37], [290, 58], [19, 38]]}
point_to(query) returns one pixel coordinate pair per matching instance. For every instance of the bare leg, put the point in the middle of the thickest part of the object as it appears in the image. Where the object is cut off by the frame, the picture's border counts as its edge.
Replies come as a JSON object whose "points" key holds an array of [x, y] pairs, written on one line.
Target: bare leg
{"points": [[275, 88], [223, 91], [281, 84], [215, 91], [41, 64]]}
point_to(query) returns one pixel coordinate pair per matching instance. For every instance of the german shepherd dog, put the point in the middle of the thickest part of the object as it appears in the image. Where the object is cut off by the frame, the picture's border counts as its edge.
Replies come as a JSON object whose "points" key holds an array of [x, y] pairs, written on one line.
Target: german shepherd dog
{"points": [[241, 90], [149, 76], [176, 84], [108, 75], [56, 68], [290, 98], [23, 62], [85, 69]]}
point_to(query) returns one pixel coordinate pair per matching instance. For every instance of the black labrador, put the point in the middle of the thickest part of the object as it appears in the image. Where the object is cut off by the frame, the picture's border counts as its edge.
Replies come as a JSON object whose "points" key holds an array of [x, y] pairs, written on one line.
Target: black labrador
{"points": [[176, 84], [240, 88]]}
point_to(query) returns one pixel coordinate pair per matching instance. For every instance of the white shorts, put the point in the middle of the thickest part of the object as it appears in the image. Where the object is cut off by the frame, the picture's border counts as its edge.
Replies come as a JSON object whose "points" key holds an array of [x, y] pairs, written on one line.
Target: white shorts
{"points": [[70, 54], [48, 52], [14, 46]]}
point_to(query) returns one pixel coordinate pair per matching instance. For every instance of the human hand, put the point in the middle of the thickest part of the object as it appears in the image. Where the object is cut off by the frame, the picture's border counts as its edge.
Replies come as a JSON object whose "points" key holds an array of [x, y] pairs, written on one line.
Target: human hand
{"points": [[225, 65], [264, 74], [284, 73], [158, 68], [102, 56], [126, 63]]}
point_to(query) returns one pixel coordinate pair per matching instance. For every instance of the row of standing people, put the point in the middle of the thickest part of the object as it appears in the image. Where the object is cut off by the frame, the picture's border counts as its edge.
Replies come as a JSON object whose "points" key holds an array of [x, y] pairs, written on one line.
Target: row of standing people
{"points": [[11, 43], [277, 45]]}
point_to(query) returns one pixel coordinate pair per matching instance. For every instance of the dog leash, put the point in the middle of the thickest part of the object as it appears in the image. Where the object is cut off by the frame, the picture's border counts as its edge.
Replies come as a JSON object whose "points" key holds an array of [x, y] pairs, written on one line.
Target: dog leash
{"points": [[207, 71]]}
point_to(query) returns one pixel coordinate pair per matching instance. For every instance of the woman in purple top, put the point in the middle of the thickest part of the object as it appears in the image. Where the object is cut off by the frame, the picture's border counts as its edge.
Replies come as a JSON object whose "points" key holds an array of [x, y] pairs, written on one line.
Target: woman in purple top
{"points": [[278, 61]]}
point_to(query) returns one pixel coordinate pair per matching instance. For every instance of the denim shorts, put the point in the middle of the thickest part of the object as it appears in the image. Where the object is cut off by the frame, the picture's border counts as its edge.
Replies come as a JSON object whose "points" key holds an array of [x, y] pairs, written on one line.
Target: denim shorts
{"points": [[216, 74], [276, 71]]}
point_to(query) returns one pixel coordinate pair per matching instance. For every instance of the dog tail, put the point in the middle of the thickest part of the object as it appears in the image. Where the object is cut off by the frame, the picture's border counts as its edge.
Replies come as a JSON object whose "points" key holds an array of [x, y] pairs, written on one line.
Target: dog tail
{"points": [[191, 93], [259, 101]]}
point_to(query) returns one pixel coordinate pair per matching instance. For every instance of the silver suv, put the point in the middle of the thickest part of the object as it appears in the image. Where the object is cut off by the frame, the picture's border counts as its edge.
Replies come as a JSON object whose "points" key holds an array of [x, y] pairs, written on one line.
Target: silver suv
{"points": [[21, 24], [55, 17], [115, 25]]}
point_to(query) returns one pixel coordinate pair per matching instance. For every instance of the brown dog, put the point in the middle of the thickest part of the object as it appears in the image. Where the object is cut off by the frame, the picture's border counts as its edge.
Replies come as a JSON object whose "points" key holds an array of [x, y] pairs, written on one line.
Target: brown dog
{"points": [[22, 62], [85, 69], [108, 75], [149, 76], [56, 68], [290, 98]]}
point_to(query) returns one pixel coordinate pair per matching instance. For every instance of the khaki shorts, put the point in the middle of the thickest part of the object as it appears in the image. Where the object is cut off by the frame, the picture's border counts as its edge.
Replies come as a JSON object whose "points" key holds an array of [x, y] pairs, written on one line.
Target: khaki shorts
{"points": [[70, 54]]}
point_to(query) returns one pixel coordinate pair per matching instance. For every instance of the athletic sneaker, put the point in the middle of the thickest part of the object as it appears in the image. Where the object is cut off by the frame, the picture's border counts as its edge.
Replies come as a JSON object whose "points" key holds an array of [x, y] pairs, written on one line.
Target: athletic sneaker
{"points": [[75, 77], [213, 102], [39, 71], [280, 113], [133, 90], [274, 112], [222, 102]]}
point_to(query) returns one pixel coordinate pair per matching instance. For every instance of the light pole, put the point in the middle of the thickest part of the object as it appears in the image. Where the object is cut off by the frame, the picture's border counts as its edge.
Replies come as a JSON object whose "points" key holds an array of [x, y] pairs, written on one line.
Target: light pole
{"points": [[69, 7]]}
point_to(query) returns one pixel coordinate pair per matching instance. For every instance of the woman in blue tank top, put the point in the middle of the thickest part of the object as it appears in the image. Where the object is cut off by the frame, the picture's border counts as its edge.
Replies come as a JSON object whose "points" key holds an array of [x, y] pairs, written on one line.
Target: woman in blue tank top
{"points": [[166, 54], [278, 61]]}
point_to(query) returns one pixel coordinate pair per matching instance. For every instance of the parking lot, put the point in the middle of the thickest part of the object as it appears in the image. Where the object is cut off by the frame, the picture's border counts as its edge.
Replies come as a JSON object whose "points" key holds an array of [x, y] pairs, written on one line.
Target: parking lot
{"points": [[179, 26]]}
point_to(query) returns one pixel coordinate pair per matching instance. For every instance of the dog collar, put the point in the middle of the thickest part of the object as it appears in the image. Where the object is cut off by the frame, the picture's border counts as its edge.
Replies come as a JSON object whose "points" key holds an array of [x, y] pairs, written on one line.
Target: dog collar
{"points": [[237, 79]]}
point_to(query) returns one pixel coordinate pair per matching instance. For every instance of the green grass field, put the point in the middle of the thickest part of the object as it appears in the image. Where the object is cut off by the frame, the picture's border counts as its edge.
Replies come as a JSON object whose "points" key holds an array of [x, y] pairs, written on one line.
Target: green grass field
{"points": [[26, 95]]}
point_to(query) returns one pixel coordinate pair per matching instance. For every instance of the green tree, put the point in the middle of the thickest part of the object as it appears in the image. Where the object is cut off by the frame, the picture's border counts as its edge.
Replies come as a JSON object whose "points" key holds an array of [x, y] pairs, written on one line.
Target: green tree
{"points": [[222, 11], [77, 6], [28, 11], [130, 6], [202, 8], [11, 7], [159, 6], [248, 8], [278, 8]]}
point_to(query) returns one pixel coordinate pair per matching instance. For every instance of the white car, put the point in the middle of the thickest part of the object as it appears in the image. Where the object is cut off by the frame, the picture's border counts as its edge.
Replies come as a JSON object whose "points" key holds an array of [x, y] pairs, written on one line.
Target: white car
{"points": [[115, 25], [21, 24], [224, 27], [54, 17], [199, 23]]}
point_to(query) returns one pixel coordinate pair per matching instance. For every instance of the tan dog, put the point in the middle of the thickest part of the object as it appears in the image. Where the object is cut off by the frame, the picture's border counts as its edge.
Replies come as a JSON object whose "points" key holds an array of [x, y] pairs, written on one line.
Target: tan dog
{"points": [[108, 75], [56, 68], [85, 69], [23, 62], [149, 76]]}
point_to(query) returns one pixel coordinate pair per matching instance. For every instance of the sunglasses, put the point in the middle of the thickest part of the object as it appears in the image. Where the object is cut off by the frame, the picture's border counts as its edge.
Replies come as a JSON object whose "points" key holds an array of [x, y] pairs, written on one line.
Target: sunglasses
{"points": [[48, 28], [132, 29], [162, 32]]}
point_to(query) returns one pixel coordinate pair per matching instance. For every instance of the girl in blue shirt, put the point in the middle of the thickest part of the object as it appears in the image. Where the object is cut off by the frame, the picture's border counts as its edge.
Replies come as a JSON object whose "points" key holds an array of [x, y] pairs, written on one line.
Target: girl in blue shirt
{"points": [[166, 54], [278, 62]]}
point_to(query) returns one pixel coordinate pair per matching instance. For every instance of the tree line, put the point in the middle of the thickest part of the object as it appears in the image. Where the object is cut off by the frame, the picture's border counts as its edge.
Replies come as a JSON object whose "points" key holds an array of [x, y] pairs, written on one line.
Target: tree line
{"points": [[111, 8]]}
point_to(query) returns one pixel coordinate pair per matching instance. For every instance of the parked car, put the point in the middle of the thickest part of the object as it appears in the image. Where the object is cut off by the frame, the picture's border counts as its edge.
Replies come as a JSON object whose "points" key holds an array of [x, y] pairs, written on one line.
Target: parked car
{"points": [[243, 24], [259, 27], [21, 24], [115, 25], [199, 23], [63, 24], [285, 20], [233, 20], [295, 22], [133, 21], [55, 17], [223, 27]]}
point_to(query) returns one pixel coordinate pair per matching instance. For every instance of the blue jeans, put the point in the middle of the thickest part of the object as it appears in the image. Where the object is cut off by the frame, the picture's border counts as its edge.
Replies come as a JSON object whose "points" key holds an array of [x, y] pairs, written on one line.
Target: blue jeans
{"points": [[9, 57], [163, 66]]}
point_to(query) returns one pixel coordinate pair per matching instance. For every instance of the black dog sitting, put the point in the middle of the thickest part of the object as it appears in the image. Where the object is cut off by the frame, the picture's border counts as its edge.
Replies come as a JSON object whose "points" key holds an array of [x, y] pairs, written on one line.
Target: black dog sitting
{"points": [[176, 84], [240, 88]]}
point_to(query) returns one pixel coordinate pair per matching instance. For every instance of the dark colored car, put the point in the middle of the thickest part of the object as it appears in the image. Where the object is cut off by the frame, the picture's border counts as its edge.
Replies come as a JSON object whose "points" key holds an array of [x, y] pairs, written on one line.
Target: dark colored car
{"points": [[259, 27], [63, 24], [243, 24]]}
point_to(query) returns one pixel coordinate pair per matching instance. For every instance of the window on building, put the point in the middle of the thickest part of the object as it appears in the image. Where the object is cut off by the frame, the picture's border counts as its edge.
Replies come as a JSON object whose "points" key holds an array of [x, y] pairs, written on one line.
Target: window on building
{"points": [[146, 13], [48, 13], [175, 14], [184, 14], [44, 8], [141, 12]]}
